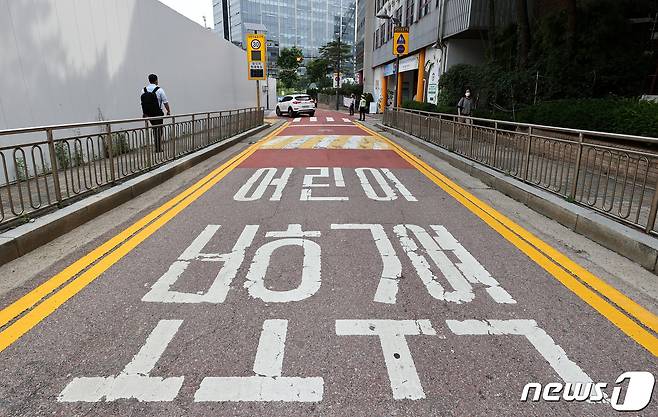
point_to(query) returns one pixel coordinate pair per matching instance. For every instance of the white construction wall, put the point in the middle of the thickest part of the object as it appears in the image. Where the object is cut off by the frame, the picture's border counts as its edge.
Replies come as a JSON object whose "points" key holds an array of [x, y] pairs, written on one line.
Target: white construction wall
{"points": [[69, 61]]}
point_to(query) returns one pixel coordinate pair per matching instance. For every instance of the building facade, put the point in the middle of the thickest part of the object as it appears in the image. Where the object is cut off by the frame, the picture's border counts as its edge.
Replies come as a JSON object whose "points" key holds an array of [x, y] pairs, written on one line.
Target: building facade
{"points": [[365, 20], [443, 33], [307, 24]]}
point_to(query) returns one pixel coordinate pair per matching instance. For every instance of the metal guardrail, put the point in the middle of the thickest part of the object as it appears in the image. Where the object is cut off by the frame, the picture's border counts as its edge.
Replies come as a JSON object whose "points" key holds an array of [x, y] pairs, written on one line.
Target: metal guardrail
{"points": [[613, 174], [46, 167]]}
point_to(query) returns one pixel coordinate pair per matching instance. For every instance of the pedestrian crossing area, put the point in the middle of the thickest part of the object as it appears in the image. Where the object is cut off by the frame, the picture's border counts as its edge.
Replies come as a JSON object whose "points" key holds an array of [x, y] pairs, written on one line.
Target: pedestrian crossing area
{"points": [[326, 142], [323, 119]]}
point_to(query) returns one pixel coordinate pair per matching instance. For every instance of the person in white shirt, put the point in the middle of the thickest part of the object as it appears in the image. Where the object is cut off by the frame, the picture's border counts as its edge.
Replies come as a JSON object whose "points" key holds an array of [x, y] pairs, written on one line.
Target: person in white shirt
{"points": [[153, 100]]}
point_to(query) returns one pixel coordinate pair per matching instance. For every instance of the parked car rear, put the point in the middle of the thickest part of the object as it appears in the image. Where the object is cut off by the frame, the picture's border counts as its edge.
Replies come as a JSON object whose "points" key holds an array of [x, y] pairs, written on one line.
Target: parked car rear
{"points": [[296, 104]]}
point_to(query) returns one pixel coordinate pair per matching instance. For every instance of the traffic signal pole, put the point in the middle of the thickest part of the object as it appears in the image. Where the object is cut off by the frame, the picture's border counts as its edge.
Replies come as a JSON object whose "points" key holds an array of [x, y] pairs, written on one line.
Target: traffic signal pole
{"points": [[397, 76]]}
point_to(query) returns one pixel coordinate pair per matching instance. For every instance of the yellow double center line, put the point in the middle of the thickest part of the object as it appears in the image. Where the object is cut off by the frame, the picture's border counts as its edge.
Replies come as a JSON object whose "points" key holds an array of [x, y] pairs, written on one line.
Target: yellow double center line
{"points": [[580, 281], [106, 255]]}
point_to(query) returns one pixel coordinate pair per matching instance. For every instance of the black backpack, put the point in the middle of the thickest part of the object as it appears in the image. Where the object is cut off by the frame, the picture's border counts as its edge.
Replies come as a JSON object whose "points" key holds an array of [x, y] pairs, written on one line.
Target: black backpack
{"points": [[151, 104]]}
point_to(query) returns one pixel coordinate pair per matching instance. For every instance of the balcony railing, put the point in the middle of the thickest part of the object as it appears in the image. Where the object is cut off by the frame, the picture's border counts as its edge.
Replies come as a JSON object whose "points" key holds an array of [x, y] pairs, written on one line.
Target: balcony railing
{"points": [[47, 167], [616, 175]]}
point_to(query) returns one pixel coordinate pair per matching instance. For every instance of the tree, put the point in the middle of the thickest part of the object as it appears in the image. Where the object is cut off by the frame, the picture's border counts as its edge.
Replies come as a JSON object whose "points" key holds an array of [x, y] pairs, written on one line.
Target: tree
{"points": [[492, 30], [523, 29], [317, 70], [571, 25], [288, 62], [332, 54]]}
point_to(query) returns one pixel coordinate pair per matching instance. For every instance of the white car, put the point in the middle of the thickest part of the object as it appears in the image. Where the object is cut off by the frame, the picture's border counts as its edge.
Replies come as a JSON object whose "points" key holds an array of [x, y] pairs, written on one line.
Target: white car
{"points": [[295, 104]]}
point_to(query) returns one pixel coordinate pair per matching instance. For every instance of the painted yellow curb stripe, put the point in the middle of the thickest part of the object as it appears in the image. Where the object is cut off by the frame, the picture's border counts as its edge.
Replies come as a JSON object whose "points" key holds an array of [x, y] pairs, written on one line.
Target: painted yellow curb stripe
{"points": [[551, 260], [153, 221]]}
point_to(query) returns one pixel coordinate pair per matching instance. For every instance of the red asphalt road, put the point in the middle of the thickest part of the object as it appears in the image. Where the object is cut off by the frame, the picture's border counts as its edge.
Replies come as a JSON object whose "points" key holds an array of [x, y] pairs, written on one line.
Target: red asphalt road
{"points": [[332, 280]]}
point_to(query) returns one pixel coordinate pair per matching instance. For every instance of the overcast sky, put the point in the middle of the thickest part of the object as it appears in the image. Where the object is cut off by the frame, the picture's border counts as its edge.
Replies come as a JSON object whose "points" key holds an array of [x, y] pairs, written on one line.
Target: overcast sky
{"points": [[193, 9]]}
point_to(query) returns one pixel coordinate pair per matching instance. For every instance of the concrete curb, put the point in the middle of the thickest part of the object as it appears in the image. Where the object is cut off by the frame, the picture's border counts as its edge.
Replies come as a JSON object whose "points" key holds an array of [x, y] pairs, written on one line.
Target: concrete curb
{"points": [[23, 239], [626, 241]]}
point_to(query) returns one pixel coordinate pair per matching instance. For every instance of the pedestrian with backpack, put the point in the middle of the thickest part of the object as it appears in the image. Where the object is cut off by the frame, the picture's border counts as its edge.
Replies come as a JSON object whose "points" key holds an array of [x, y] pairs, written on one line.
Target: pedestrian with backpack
{"points": [[153, 99]]}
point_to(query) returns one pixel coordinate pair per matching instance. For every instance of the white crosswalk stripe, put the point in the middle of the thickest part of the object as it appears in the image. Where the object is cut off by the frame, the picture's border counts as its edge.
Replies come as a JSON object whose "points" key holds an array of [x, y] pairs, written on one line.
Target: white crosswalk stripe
{"points": [[330, 119], [277, 140], [353, 142], [297, 143], [326, 142]]}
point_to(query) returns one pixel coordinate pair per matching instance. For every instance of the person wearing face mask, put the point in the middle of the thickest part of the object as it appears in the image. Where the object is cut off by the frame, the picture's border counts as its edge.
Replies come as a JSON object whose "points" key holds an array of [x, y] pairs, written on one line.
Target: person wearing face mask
{"points": [[466, 106]]}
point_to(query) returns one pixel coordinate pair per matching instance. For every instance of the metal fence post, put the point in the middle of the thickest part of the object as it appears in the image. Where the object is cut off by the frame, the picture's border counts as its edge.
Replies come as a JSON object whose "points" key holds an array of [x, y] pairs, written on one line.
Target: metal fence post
{"points": [[53, 164], [454, 125], [440, 129], [526, 163], [495, 146], [110, 151], [470, 139], [208, 134], [174, 136], [576, 176], [652, 213], [221, 123], [149, 148], [193, 132]]}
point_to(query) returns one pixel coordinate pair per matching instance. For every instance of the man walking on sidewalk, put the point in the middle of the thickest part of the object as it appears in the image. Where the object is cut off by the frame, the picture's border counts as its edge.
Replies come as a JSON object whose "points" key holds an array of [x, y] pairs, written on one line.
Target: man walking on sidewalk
{"points": [[153, 99]]}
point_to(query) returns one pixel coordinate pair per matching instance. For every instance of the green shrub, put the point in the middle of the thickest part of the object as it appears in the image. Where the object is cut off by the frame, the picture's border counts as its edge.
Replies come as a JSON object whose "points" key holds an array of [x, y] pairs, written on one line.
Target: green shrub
{"points": [[120, 144], [429, 107], [62, 155], [21, 168], [626, 116], [416, 105], [312, 92]]}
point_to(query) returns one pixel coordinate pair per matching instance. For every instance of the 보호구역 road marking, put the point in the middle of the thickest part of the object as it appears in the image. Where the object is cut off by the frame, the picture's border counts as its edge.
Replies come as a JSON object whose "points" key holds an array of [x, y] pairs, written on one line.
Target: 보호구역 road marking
{"points": [[311, 267], [330, 119], [314, 119], [591, 290], [568, 370], [99, 260], [161, 291], [297, 120], [268, 384], [347, 120], [402, 373], [134, 381]]}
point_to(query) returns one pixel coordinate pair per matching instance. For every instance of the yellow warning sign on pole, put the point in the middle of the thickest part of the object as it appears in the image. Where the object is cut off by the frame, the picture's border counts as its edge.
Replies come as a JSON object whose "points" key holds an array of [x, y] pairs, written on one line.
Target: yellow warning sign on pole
{"points": [[400, 40], [257, 56]]}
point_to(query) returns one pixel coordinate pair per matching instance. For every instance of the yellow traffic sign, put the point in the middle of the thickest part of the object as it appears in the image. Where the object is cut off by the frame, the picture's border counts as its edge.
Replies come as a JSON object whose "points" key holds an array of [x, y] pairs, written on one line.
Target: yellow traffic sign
{"points": [[400, 40], [257, 56]]}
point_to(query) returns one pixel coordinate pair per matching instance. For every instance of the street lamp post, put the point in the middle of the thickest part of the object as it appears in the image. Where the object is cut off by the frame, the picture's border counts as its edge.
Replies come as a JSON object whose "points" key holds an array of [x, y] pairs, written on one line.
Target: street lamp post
{"points": [[340, 55], [396, 21], [338, 67]]}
